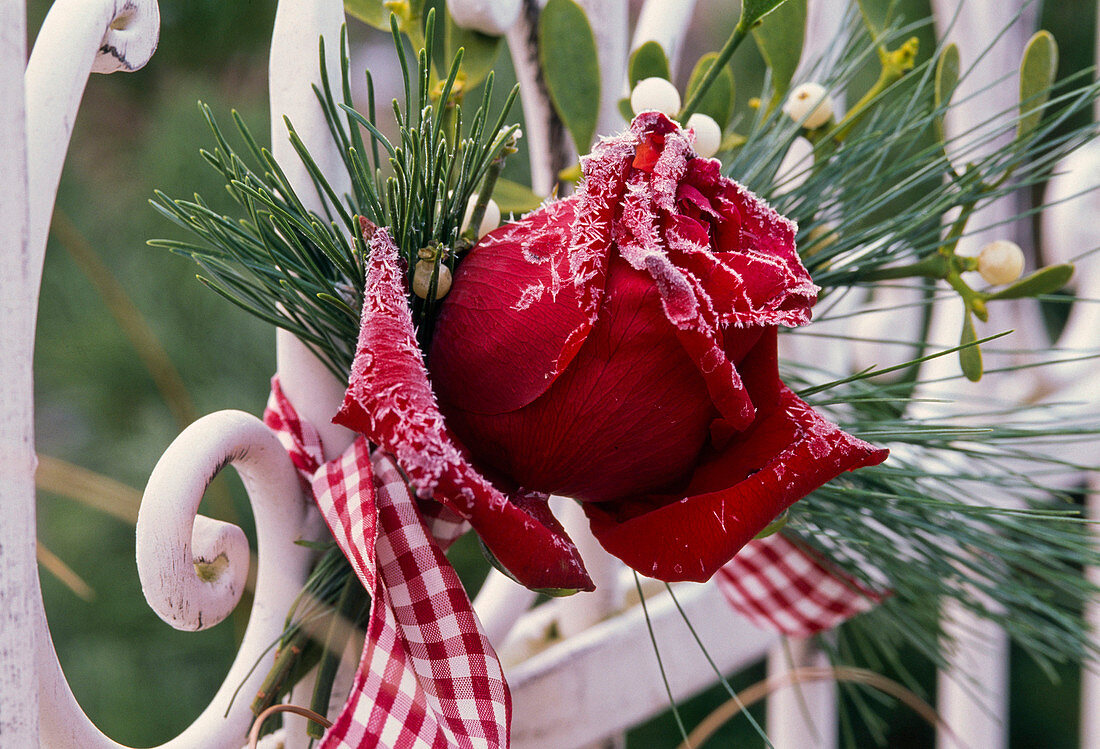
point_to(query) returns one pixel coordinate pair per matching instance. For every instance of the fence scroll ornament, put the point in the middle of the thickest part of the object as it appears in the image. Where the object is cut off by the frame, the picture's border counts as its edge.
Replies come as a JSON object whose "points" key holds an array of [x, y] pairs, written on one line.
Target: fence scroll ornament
{"points": [[620, 346]]}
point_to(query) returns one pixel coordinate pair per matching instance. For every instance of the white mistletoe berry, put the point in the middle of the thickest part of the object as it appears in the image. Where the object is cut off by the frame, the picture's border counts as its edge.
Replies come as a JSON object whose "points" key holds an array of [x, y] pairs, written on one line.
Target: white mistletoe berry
{"points": [[708, 135], [810, 104], [493, 17], [422, 279], [655, 95], [1001, 262], [489, 221]]}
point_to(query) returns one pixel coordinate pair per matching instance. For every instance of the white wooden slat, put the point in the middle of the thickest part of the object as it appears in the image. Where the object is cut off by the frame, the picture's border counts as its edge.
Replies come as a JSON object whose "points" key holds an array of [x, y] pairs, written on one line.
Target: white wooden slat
{"points": [[546, 145], [804, 715], [499, 604], [293, 69], [40, 106], [972, 695], [608, 19], [666, 23], [1090, 672], [581, 611], [77, 38], [605, 679], [18, 570], [1071, 234]]}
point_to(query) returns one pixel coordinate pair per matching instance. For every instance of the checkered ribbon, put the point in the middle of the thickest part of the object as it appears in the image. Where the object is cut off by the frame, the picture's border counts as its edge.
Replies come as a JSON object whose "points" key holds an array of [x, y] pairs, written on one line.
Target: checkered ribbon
{"points": [[780, 584], [428, 677]]}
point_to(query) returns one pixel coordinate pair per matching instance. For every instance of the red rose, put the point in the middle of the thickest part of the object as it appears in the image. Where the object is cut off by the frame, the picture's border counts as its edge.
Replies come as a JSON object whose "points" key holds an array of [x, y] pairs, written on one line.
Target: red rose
{"points": [[617, 347]]}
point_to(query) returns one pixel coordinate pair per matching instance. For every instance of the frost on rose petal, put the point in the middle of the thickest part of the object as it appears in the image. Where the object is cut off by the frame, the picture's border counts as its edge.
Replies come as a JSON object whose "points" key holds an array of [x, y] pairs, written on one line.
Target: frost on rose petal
{"points": [[530, 295], [393, 411], [541, 240], [649, 197], [669, 170], [605, 173], [390, 400]]}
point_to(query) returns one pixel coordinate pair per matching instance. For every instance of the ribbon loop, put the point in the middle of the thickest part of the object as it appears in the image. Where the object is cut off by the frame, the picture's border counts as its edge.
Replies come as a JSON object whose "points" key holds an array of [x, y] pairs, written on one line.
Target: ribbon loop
{"points": [[428, 677]]}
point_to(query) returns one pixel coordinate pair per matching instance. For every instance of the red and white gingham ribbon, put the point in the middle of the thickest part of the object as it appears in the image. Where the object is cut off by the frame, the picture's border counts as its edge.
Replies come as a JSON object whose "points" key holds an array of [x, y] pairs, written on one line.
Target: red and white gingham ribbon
{"points": [[782, 585], [428, 677]]}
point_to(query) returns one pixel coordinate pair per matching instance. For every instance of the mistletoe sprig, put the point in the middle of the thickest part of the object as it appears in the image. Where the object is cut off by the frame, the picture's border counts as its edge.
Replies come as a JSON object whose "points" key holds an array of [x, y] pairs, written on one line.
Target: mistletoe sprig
{"points": [[871, 198]]}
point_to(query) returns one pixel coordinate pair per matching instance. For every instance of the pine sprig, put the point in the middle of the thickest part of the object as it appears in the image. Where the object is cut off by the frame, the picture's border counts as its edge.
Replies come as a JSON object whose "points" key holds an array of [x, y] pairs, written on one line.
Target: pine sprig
{"points": [[303, 272], [971, 514]]}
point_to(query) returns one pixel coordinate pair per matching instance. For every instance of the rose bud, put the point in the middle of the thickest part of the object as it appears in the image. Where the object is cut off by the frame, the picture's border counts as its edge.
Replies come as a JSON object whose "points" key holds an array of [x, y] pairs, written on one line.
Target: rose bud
{"points": [[619, 347], [390, 401]]}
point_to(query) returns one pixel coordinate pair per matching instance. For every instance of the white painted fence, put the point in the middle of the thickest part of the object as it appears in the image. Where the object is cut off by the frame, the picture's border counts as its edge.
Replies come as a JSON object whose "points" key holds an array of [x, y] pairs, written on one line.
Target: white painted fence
{"points": [[556, 704]]}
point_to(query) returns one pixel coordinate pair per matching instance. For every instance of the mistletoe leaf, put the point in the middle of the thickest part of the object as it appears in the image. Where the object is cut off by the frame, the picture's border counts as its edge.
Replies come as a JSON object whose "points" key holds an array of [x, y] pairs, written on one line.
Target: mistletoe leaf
{"points": [[512, 197], [717, 101], [1037, 68], [752, 11], [567, 56], [780, 39], [875, 16], [648, 61], [625, 109], [1043, 281], [371, 12], [970, 355], [480, 51], [947, 78]]}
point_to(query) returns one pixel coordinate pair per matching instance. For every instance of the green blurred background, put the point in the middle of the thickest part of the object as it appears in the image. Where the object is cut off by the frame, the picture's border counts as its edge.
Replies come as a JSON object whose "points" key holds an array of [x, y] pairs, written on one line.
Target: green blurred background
{"points": [[98, 407]]}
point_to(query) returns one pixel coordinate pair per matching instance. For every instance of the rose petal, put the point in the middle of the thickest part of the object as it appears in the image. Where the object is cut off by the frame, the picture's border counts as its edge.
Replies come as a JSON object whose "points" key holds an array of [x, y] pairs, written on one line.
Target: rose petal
{"points": [[732, 497], [684, 300], [752, 271], [755, 352], [599, 199], [671, 166], [756, 245], [516, 280], [389, 399], [544, 273], [748, 287], [689, 194], [629, 414], [703, 341]]}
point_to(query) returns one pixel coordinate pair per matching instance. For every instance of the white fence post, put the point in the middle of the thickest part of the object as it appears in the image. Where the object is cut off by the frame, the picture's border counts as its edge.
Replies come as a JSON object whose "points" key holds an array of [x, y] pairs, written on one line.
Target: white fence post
{"points": [[801, 716], [1090, 672], [293, 68], [973, 692], [1073, 193], [18, 571]]}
